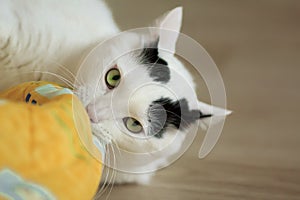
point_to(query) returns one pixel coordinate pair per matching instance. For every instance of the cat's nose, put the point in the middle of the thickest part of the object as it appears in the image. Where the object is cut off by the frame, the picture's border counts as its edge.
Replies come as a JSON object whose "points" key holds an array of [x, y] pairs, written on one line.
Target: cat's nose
{"points": [[97, 114], [91, 113]]}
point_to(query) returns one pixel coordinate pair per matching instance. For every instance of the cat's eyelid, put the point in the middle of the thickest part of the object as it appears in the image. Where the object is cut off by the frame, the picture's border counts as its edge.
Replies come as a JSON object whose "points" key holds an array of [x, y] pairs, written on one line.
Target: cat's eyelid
{"points": [[115, 66]]}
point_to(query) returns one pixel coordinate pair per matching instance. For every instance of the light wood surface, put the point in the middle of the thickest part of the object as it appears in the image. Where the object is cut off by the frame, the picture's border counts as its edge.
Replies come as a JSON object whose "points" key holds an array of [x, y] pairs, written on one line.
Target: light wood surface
{"points": [[256, 45]]}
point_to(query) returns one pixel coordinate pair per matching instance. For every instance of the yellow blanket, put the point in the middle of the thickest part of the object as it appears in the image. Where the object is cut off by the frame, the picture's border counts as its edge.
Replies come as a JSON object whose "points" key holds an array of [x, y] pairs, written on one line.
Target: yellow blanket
{"points": [[46, 147]]}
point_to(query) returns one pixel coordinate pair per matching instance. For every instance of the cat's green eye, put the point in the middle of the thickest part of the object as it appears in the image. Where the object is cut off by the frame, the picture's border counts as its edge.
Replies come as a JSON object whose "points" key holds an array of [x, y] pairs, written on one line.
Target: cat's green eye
{"points": [[112, 78], [132, 125]]}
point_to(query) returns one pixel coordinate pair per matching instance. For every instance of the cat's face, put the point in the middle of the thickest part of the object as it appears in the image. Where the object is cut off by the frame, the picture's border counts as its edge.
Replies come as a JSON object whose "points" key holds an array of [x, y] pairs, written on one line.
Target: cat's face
{"points": [[145, 96]]}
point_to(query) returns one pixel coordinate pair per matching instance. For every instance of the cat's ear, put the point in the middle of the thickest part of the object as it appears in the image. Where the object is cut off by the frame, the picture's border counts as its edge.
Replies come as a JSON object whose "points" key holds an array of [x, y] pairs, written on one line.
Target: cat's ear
{"points": [[170, 21], [208, 111]]}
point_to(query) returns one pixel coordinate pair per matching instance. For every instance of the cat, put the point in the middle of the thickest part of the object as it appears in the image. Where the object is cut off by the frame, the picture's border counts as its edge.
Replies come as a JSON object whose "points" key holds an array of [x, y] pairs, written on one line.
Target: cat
{"points": [[48, 40]]}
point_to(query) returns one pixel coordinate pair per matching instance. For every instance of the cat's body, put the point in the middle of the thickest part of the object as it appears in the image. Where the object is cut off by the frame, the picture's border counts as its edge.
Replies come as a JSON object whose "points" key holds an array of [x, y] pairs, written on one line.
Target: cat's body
{"points": [[54, 35], [41, 35]]}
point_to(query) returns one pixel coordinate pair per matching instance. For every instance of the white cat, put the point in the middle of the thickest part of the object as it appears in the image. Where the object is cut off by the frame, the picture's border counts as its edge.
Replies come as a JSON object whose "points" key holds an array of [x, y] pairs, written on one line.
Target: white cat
{"points": [[43, 39]]}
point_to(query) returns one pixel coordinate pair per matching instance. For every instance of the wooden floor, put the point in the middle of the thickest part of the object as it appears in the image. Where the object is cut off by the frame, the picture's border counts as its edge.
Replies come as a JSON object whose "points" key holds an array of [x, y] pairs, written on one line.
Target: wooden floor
{"points": [[256, 45]]}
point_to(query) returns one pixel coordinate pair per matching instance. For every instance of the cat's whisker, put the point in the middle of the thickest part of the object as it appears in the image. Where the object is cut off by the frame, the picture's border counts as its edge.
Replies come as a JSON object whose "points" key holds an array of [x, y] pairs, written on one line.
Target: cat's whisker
{"points": [[102, 185], [65, 73], [113, 176], [108, 182], [66, 81], [80, 79], [66, 70], [69, 74], [110, 160]]}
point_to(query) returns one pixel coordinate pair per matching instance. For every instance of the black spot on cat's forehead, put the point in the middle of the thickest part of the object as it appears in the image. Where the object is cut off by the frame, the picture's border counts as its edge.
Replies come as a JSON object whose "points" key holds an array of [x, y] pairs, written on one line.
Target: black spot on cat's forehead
{"points": [[164, 112], [157, 67]]}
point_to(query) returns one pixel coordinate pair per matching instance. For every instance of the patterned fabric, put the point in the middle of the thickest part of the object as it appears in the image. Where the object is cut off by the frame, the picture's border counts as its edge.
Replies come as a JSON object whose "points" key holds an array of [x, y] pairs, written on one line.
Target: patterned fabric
{"points": [[13, 186], [46, 146]]}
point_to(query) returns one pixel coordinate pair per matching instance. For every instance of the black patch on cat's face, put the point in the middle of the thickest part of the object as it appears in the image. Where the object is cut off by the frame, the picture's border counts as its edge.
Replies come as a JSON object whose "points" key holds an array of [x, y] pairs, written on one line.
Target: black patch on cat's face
{"points": [[157, 67], [164, 112]]}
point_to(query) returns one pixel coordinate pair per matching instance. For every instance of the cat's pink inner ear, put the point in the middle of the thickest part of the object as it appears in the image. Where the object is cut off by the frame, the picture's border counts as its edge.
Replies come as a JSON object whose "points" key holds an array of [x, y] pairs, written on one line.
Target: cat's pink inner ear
{"points": [[170, 25]]}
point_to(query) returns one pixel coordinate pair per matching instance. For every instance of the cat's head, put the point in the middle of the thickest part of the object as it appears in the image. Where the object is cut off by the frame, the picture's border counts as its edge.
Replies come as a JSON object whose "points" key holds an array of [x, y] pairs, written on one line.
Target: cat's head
{"points": [[138, 92]]}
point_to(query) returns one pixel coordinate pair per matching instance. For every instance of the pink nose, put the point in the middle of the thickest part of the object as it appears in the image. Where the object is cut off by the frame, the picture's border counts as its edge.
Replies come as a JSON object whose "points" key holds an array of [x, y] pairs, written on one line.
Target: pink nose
{"points": [[97, 114], [90, 109]]}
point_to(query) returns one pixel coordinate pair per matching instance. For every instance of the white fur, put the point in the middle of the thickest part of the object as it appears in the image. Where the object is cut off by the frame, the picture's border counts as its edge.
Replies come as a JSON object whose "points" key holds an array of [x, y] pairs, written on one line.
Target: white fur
{"points": [[46, 35], [42, 34]]}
